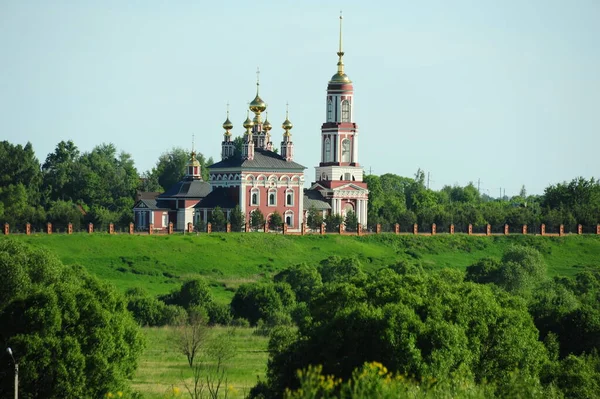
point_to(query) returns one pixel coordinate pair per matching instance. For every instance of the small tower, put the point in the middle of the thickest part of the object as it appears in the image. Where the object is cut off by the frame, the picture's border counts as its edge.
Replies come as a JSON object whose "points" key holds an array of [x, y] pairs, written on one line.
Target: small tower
{"points": [[248, 145], [287, 147], [227, 147], [257, 106], [267, 132], [192, 170]]}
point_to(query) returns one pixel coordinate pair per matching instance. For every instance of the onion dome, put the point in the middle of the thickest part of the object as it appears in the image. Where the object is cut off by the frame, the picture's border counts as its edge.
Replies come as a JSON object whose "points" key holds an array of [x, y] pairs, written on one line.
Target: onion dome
{"points": [[267, 125], [248, 124], [287, 125], [257, 105], [227, 125], [193, 161]]}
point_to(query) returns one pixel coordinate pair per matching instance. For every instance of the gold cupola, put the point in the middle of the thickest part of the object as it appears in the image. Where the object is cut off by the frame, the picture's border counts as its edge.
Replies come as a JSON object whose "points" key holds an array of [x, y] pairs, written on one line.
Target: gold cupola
{"points": [[248, 124], [287, 125], [257, 105], [227, 125], [340, 76], [267, 125]]}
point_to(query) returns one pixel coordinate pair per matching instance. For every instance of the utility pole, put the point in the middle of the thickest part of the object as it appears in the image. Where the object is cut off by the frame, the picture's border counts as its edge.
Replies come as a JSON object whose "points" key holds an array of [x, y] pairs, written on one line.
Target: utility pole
{"points": [[500, 193], [9, 351], [427, 180], [478, 185]]}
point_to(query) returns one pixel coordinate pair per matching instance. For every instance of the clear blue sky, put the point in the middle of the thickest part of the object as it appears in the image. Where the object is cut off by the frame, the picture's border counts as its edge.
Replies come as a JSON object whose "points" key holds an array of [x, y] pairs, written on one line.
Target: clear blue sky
{"points": [[503, 91]]}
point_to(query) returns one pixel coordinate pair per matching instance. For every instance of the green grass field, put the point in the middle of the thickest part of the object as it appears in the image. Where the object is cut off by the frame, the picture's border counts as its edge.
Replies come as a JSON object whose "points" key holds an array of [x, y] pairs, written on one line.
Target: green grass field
{"points": [[161, 263], [163, 371]]}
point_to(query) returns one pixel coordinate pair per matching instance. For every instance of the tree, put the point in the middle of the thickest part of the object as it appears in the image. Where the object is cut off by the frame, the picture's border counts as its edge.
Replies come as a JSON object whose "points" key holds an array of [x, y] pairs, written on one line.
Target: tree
{"points": [[256, 301], [61, 213], [73, 333], [217, 219], [58, 172], [333, 222], [275, 221], [350, 221], [190, 337], [257, 219], [314, 219], [236, 218]]}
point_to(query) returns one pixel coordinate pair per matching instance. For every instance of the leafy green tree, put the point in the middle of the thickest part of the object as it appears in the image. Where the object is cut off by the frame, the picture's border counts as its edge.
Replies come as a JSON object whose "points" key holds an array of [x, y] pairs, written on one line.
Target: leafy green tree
{"points": [[350, 221], [236, 218], [256, 301], [340, 270], [193, 293], [305, 280], [257, 219], [59, 172], [61, 213], [217, 219], [275, 221], [332, 222], [314, 219], [72, 333], [20, 166]]}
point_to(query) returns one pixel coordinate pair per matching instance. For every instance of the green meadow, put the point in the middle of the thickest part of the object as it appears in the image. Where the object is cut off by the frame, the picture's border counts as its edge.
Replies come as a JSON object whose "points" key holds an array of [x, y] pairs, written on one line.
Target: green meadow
{"points": [[160, 263], [163, 372]]}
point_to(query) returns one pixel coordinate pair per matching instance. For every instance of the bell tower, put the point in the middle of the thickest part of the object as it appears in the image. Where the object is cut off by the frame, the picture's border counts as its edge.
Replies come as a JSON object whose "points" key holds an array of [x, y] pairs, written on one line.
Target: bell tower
{"points": [[339, 176], [339, 133]]}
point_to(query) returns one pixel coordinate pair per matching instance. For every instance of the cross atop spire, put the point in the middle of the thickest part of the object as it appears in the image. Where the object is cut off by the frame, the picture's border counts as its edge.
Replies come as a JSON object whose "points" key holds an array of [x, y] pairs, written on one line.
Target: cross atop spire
{"points": [[257, 79], [340, 52], [193, 152]]}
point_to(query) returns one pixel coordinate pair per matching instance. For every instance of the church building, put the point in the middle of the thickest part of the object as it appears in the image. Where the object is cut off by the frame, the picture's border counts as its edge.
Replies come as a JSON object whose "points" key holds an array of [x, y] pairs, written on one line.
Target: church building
{"points": [[259, 178]]}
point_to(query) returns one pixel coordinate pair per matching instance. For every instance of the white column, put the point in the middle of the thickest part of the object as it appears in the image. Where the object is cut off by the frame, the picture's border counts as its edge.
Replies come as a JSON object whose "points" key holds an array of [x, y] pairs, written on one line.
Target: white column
{"points": [[243, 197], [355, 148], [205, 216]]}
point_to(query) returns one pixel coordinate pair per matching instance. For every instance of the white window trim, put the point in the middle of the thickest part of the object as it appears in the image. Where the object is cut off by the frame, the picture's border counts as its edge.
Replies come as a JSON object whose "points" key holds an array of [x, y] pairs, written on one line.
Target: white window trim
{"points": [[257, 192], [274, 192], [289, 191]]}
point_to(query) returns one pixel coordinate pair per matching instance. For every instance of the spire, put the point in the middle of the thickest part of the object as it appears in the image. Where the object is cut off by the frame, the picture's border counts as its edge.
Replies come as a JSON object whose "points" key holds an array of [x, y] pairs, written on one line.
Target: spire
{"points": [[257, 105], [340, 52], [287, 125], [193, 166], [227, 125], [287, 147]]}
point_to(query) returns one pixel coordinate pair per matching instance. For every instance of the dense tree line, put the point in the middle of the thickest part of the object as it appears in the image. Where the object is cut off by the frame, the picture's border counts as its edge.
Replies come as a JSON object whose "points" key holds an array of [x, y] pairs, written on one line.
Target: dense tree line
{"points": [[502, 328], [99, 186], [70, 333], [395, 199]]}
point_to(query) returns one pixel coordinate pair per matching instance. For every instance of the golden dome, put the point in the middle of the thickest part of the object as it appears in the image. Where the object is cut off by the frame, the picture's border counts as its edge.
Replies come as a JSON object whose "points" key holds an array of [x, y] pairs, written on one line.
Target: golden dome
{"points": [[267, 125], [340, 78], [248, 123], [227, 125], [193, 161], [257, 105], [287, 125]]}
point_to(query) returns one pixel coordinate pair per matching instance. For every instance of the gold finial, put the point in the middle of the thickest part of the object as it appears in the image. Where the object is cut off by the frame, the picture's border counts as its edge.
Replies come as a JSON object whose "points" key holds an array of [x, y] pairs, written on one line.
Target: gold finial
{"points": [[340, 52], [227, 125], [257, 79], [257, 105], [287, 125]]}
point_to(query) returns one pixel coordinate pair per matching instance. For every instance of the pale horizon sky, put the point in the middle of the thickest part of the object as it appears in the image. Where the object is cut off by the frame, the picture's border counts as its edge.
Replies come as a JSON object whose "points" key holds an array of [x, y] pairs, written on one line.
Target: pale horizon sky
{"points": [[505, 92]]}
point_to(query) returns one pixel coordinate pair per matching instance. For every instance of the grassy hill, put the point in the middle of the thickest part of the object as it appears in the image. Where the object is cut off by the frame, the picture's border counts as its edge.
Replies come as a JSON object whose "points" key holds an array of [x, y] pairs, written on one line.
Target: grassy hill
{"points": [[161, 263]]}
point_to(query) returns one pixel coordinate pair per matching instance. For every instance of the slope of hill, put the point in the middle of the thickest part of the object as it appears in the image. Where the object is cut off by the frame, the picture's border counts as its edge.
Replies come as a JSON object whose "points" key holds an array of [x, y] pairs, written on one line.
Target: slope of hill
{"points": [[160, 263]]}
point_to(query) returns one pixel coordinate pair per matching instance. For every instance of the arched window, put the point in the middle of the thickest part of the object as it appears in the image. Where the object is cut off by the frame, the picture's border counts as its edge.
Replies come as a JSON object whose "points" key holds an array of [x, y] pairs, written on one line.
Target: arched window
{"points": [[272, 197], [345, 111], [346, 176], [345, 150], [323, 176], [289, 218], [255, 197], [327, 150], [289, 198], [329, 111]]}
